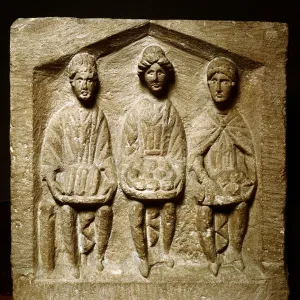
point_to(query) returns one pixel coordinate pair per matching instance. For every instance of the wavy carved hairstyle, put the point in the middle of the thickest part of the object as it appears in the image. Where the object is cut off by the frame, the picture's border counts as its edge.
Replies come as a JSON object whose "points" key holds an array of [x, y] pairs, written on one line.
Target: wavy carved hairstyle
{"points": [[222, 65], [152, 55], [82, 62]]}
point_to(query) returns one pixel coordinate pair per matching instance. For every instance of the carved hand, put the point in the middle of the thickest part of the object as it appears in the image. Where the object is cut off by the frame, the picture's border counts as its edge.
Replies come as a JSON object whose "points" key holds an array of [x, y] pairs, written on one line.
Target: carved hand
{"points": [[54, 187], [198, 190], [212, 191]]}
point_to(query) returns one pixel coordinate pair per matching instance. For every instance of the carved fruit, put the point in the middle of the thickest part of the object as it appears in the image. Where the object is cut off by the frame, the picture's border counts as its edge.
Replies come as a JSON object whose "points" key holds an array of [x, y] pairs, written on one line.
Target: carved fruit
{"points": [[140, 184], [153, 185], [167, 185], [232, 189], [159, 174]]}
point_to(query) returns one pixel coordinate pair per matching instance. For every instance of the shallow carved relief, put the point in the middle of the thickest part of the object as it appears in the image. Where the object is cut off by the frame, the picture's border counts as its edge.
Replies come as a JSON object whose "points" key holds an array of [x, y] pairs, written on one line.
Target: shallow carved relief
{"points": [[75, 218], [187, 115], [152, 171], [224, 169]]}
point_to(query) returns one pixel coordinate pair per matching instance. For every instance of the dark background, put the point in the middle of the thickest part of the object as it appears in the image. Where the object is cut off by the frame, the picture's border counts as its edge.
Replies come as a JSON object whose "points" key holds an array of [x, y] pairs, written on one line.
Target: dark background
{"points": [[244, 10]]}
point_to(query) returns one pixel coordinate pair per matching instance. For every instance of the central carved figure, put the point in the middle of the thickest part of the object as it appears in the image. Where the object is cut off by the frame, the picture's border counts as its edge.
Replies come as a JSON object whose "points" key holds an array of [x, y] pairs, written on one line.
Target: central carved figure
{"points": [[153, 160]]}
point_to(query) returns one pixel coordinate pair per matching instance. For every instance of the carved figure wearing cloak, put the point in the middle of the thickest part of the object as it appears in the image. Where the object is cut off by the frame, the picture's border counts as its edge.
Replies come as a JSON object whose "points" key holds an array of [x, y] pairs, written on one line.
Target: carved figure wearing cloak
{"points": [[224, 166]]}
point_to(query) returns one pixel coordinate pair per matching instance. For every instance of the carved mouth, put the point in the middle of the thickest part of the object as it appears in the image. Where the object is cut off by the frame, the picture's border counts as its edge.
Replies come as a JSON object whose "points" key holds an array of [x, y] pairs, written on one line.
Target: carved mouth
{"points": [[219, 97], [156, 86]]}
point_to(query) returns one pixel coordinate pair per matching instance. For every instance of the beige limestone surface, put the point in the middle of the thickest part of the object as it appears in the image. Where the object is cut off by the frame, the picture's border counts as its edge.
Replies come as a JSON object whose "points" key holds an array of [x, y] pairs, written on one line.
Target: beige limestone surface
{"points": [[179, 196]]}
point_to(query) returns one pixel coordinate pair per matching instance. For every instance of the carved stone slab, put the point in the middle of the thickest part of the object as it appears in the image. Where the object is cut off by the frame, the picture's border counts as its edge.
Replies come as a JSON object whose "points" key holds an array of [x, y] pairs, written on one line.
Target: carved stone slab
{"points": [[148, 159]]}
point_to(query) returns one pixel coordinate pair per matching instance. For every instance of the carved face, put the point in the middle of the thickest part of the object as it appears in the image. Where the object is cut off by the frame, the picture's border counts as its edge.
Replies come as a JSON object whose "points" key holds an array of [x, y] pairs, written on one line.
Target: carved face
{"points": [[155, 79], [220, 87], [84, 86]]}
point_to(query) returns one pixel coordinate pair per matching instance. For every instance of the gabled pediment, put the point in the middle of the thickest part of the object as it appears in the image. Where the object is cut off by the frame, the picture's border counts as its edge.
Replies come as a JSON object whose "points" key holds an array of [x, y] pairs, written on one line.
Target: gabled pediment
{"points": [[197, 47]]}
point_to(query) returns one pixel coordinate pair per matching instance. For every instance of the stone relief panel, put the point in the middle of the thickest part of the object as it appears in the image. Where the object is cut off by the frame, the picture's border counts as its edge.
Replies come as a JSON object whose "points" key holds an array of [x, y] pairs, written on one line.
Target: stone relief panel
{"points": [[153, 95], [148, 159]]}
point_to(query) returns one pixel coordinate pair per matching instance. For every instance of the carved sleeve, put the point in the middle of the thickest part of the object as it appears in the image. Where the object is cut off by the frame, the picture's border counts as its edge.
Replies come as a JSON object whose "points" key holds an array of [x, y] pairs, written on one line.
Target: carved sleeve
{"points": [[103, 158], [51, 155], [206, 133], [177, 143], [130, 141]]}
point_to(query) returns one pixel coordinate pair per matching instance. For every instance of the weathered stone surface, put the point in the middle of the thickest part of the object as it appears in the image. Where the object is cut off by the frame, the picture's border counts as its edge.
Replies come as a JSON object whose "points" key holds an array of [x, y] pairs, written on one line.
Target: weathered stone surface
{"points": [[148, 159]]}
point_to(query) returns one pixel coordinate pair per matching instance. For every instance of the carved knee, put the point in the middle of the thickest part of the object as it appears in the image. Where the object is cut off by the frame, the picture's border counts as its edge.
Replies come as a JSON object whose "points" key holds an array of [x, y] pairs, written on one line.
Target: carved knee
{"points": [[169, 211], [67, 210], [169, 208], [205, 212], [136, 214], [46, 207], [137, 207], [105, 211], [205, 217], [67, 216], [241, 206]]}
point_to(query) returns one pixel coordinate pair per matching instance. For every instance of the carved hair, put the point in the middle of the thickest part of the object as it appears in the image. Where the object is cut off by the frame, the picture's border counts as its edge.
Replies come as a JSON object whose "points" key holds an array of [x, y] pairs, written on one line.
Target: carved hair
{"points": [[222, 65], [152, 55], [82, 62]]}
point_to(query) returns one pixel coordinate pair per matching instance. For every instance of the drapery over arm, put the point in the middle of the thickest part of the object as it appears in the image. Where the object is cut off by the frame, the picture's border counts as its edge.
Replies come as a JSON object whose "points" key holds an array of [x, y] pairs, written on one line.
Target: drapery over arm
{"points": [[51, 153], [229, 131], [103, 158], [177, 141], [130, 138], [206, 133]]}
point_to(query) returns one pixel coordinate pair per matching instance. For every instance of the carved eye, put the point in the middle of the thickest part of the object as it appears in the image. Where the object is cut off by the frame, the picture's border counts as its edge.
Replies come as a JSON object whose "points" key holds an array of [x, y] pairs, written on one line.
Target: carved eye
{"points": [[225, 82]]}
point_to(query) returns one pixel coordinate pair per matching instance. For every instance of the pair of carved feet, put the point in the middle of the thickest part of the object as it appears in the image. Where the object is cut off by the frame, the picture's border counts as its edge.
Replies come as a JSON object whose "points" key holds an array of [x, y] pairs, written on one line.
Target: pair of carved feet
{"points": [[145, 267], [232, 257], [73, 272]]}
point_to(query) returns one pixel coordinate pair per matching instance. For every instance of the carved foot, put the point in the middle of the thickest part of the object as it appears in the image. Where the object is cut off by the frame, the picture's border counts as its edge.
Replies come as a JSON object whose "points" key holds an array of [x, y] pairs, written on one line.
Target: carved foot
{"points": [[42, 273], [234, 257], [144, 268], [231, 256], [100, 266], [65, 270], [238, 264], [169, 262], [75, 273], [69, 272], [214, 267]]}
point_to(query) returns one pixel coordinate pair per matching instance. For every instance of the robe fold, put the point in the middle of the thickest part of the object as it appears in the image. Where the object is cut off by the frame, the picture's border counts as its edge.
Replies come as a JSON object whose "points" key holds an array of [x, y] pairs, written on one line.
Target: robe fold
{"points": [[223, 145], [154, 130], [77, 140]]}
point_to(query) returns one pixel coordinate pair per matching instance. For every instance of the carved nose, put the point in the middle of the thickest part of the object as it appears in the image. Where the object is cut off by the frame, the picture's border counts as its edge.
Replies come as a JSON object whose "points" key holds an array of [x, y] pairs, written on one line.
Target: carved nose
{"points": [[84, 84]]}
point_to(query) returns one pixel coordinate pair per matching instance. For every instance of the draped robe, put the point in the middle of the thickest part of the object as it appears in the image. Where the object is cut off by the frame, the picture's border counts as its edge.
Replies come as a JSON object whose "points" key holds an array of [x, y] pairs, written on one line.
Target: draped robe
{"points": [[77, 147], [223, 149], [154, 130]]}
